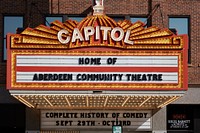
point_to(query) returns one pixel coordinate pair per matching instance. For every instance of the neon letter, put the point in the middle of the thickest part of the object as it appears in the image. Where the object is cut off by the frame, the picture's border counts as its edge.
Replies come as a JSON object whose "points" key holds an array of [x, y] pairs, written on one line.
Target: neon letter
{"points": [[59, 35], [77, 35]]}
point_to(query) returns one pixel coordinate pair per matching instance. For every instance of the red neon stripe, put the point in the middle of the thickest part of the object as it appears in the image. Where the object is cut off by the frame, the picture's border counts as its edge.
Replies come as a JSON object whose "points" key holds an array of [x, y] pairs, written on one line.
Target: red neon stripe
{"points": [[96, 69]]}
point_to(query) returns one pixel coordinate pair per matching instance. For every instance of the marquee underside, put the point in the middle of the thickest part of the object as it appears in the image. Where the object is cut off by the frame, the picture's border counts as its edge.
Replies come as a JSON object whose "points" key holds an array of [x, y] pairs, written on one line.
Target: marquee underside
{"points": [[96, 99]]}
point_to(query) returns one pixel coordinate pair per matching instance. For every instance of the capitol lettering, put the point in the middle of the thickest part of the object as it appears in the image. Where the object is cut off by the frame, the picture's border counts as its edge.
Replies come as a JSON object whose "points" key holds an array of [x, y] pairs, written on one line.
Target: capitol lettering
{"points": [[117, 34]]}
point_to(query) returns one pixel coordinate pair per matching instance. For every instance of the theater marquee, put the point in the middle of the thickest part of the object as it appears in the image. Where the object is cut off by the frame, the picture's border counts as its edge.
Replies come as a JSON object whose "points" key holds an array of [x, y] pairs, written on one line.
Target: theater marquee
{"points": [[96, 54], [114, 70], [107, 61]]}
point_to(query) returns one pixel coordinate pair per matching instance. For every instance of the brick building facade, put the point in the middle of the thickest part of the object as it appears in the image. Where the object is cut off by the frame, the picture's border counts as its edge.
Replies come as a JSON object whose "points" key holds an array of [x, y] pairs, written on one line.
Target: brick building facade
{"points": [[158, 13]]}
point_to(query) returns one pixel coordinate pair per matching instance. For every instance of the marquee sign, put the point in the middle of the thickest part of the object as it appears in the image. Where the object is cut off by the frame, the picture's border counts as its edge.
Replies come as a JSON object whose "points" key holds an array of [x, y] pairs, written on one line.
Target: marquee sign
{"points": [[96, 54], [82, 119]]}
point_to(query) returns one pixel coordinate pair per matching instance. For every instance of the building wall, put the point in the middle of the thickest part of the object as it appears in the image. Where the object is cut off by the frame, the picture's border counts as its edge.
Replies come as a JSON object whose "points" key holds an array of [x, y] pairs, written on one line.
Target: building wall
{"points": [[35, 10]]}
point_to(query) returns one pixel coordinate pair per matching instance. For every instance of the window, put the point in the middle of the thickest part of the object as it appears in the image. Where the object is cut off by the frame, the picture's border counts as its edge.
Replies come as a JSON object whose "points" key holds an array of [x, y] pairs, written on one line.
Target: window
{"points": [[135, 19], [142, 19], [11, 23], [51, 19], [77, 18], [117, 18], [181, 24]]}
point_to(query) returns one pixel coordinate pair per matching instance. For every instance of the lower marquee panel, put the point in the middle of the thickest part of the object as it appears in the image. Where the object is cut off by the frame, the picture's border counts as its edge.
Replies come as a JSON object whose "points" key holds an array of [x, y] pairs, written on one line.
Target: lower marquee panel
{"points": [[96, 119]]}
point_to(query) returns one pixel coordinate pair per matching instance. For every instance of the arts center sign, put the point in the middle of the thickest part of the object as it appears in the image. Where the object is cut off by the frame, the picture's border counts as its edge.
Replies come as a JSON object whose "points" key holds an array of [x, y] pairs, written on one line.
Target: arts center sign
{"points": [[120, 61]]}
